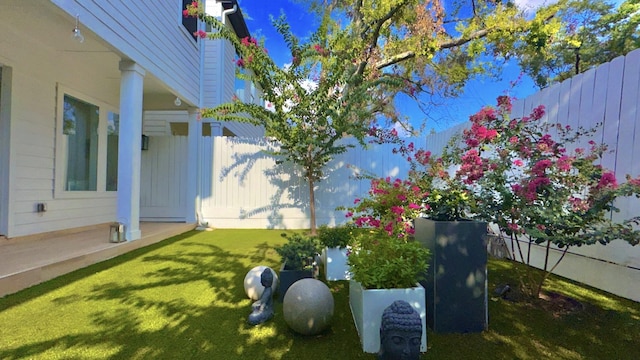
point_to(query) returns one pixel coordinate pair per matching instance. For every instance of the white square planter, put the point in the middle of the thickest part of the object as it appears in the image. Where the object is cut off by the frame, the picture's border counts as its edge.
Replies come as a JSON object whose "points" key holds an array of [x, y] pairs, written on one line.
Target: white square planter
{"points": [[335, 264], [367, 306]]}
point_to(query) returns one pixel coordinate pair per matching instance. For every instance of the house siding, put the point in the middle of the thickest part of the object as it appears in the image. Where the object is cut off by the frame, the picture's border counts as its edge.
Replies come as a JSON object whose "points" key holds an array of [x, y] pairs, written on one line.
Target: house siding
{"points": [[152, 35]]}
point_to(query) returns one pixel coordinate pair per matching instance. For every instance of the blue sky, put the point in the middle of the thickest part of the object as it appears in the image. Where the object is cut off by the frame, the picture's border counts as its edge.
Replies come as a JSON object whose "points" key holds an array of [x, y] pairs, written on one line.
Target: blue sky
{"points": [[478, 93]]}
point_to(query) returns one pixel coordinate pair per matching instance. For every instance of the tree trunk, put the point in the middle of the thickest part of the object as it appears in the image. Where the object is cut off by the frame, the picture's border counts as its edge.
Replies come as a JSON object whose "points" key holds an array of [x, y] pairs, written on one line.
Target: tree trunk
{"points": [[312, 207], [547, 273]]}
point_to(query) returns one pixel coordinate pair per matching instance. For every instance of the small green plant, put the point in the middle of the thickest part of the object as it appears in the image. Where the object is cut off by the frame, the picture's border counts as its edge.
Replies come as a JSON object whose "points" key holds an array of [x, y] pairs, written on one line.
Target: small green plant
{"points": [[299, 251], [380, 261], [335, 237]]}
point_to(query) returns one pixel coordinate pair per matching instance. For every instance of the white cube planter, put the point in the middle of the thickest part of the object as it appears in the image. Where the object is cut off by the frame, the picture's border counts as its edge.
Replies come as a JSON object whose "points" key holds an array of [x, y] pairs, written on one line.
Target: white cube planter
{"points": [[367, 306], [335, 264]]}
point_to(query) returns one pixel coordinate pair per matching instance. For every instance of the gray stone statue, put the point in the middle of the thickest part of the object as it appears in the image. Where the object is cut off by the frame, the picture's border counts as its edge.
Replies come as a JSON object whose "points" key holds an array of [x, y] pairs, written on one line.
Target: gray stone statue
{"points": [[400, 332], [262, 310]]}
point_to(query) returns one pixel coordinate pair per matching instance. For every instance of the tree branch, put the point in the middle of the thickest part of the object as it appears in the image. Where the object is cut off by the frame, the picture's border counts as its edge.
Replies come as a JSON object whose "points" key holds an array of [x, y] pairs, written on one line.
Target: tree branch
{"points": [[445, 45]]}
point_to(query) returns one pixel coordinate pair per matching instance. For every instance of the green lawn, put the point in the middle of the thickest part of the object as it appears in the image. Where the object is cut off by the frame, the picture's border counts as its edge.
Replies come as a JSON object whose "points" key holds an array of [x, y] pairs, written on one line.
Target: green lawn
{"points": [[183, 298]]}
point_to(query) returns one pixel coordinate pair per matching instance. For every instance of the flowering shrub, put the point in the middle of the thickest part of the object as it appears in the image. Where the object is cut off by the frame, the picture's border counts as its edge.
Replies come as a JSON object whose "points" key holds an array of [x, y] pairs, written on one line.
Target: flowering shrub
{"points": [[530, 178]]}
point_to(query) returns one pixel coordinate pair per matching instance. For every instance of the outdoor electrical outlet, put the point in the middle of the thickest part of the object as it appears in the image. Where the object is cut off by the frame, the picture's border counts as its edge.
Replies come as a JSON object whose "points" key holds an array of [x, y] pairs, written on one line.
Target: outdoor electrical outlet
{"points": [[41, 207]]}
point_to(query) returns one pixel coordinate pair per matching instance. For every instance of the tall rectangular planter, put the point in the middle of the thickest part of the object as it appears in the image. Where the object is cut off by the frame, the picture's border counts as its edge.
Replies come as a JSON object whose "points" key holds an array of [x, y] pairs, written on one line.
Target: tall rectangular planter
{"points": [[287, 277], [456, 280], [367, 306], [335, 264]]}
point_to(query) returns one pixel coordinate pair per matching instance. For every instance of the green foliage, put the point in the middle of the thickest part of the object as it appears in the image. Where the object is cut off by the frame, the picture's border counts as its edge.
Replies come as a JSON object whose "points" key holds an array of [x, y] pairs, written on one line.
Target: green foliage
{"points": [[299, 251], [338, 236], [379, 261], [345, 76], [593, 32]]}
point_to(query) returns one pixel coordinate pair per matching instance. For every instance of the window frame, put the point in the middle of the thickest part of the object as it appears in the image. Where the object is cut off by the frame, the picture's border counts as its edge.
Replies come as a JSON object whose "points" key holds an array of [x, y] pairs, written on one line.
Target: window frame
{"points": [[61, 147], [181, 20]]}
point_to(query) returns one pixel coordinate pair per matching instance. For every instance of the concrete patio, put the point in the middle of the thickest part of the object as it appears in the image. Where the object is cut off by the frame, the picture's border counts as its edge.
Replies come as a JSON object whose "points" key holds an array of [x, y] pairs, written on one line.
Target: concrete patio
{"points": [[30, 260]]}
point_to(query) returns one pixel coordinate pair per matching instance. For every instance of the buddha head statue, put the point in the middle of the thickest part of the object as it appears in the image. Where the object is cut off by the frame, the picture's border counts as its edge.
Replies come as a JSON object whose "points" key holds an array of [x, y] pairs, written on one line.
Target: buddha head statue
{"points": [[400, 332]]}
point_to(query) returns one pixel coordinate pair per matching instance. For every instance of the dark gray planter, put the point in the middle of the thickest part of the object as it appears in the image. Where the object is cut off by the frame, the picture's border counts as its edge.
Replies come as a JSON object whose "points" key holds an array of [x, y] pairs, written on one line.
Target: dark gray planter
{"points": [[456, 281], [287, 277]]}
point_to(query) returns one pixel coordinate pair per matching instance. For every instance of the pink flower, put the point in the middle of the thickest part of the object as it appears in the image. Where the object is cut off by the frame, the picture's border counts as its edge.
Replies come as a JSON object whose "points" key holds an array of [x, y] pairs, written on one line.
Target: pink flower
{"points": [[348, 214], [397, 210], [201, 34], [513, 139], [356, 201], [538, 112], [541, 166], [413, 206], [401, 197], [607, 179], [518, 162], [564, 163], [389, 228]]}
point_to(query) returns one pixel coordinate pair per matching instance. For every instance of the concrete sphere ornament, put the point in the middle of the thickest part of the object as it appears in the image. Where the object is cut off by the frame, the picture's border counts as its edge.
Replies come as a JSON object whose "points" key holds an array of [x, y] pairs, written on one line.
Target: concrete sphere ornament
{"points": [[252, 286], [308, 306]]}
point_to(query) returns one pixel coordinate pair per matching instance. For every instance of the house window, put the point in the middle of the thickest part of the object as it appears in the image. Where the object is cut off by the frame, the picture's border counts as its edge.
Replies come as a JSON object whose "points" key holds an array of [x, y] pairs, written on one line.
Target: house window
{"points": [[87, 146], [189, 23], [80, 128]]}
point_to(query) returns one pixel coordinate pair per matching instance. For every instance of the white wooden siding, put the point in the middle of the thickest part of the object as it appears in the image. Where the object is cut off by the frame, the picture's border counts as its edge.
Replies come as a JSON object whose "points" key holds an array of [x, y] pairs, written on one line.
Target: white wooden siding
{"points": [[147, 32]]}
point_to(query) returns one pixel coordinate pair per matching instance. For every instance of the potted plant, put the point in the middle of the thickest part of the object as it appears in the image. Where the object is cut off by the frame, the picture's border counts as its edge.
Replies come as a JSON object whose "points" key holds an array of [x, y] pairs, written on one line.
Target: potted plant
{"points": [[434, 205], [298, 257], [335, 241], [384, 269]]}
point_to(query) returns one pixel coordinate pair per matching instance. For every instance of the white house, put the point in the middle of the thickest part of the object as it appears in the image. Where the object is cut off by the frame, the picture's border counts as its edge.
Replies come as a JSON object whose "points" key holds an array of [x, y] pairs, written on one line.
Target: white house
{"points": [[85, 84]]}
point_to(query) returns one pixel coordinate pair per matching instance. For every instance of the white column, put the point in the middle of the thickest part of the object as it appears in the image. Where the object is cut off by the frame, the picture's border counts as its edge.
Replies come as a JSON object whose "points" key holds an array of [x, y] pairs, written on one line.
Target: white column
{"points": [[129, 143], [193, 164]]}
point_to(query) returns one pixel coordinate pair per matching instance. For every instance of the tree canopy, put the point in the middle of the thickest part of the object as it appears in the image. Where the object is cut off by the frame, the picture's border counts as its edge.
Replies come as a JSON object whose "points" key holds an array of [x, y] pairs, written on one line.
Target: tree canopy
{"points": [[593, 32], [344, 77]]}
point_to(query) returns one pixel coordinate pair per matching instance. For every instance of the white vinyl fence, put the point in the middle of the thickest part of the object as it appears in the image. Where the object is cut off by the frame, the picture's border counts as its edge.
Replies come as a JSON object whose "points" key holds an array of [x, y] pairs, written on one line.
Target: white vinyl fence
{"points": [[607, 96], [244, 188]]}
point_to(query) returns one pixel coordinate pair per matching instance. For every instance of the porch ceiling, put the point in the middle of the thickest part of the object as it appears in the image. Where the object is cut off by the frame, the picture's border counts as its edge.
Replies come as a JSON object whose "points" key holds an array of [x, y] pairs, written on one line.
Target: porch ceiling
{"points": [[39, 23]]}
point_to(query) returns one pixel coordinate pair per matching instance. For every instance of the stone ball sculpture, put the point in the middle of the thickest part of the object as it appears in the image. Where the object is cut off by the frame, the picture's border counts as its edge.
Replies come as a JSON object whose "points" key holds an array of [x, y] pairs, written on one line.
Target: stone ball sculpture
{"points": [[252, 286], [308, 306]]}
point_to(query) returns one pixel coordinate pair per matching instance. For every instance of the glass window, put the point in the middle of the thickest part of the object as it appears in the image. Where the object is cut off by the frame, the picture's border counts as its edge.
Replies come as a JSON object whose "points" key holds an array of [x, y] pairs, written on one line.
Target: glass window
{"points": [[113, 126], [80, 126], [189, 23]]}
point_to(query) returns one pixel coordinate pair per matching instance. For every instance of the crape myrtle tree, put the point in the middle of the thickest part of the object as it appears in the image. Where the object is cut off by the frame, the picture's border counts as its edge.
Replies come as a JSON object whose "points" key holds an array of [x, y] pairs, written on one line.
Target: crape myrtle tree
{"points": [[344, 77]]}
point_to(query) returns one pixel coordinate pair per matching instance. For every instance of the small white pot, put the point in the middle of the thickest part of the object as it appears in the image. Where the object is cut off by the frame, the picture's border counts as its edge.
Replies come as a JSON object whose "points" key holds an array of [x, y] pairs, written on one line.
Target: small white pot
{"points": [[335, 264]]}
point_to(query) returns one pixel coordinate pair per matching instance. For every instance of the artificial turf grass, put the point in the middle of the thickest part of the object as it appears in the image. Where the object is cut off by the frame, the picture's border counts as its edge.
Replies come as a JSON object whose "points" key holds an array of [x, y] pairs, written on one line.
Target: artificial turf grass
{"points": [[183, 298]]}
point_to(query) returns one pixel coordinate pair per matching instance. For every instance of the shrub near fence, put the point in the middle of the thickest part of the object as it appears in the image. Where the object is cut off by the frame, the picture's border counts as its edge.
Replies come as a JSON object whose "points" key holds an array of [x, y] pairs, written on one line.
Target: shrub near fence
{"points": [[244, 188]]}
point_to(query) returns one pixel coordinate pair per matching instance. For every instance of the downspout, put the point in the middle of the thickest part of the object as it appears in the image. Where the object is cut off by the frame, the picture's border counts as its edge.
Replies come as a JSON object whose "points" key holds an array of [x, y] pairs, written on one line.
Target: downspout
{"points": [[200, 224], [223, 19]]}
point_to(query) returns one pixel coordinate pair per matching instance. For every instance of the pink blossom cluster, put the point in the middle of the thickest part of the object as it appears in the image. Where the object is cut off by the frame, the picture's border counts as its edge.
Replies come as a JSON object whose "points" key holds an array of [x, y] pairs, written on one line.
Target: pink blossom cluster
{"points": [[191, 10], [472, 167]]}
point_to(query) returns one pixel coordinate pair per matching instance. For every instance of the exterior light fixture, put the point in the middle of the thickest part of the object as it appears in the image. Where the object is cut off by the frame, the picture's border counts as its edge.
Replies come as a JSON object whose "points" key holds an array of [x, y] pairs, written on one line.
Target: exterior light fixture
{"points": [[145, 142], [76, 34], [177, 101]]}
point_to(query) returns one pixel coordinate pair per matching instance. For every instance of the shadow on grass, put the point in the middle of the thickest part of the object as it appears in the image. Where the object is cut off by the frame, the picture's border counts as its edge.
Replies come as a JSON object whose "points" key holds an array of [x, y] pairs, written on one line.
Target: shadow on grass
{"points": [[184, 299]]}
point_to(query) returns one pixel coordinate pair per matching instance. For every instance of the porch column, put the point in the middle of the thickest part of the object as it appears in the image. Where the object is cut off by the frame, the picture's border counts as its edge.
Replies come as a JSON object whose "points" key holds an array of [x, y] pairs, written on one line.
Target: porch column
{"points": [[193, 167], [129, 143]]}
